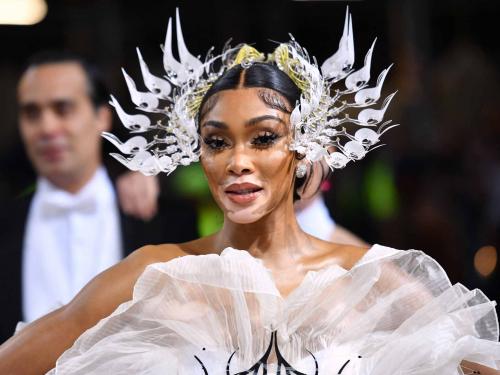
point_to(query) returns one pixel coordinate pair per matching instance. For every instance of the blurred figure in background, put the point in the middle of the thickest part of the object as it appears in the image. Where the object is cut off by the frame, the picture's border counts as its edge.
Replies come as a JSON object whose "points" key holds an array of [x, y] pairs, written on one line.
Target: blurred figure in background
{"points": [[72, 228], [313, 215], [314, 218]]}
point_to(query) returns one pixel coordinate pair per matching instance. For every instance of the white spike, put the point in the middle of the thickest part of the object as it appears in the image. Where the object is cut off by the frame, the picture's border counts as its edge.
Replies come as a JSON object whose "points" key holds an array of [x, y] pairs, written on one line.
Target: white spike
{"points": [[338, 65], [366, 136], [131, 146], [359, 78], [123, 160], [138, 162], [381, 77], [137, 123], [371, 95], [350, 43], [374, 116], [169, 62], [143, 100], [387, 128], [156, 85], [188, 60], [113, 139]]}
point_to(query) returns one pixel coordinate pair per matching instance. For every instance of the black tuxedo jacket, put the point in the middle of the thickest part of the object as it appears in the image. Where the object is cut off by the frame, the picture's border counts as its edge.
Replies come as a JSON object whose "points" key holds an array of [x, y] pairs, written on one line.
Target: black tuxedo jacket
{"points": [[175, 222]]}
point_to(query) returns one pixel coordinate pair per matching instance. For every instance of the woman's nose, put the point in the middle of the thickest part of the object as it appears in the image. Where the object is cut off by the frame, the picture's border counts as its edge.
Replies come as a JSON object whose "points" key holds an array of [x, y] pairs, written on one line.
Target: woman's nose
{"points": [[240, 162]]}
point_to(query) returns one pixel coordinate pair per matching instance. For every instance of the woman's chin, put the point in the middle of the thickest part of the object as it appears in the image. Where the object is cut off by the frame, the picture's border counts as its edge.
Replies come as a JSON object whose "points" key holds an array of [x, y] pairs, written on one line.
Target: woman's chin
{"points": [[239, 217], [245, 215]]}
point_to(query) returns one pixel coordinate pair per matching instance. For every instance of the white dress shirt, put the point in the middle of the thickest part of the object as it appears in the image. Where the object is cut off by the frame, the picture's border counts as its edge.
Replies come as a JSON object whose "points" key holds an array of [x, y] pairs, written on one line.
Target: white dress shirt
{"points": [[69, 239], [316, 220]]}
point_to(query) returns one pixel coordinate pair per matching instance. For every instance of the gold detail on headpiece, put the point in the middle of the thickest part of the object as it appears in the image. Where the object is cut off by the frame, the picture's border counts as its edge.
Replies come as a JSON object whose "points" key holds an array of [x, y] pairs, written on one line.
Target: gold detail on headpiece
{"points": [[247, 54], [196, 98], [289, 66]]}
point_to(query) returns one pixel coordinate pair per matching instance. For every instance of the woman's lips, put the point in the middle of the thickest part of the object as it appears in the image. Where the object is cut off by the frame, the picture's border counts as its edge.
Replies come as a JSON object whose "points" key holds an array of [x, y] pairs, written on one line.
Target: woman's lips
{"points": [[243, 193]]}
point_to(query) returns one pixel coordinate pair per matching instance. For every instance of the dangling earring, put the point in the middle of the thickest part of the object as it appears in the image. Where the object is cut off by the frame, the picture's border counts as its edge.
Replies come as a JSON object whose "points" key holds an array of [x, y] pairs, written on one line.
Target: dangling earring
{"points": [[301, 170]]}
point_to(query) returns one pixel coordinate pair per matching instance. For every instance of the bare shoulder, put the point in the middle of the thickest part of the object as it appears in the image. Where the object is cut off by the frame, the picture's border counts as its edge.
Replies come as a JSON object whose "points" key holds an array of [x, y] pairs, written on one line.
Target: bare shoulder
{"points": [[344, 255], [350, 254], [165, 252], [343, 236], [149, 254]]}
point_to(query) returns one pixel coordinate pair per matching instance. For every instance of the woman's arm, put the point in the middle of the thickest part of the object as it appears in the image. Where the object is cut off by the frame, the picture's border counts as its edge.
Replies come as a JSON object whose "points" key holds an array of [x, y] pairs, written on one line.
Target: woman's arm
{"points": [[36, 348], [474, 368]]}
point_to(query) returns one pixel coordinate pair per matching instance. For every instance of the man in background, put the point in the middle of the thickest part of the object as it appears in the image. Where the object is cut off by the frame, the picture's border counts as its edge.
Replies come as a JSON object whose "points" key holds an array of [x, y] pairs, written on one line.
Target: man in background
{"points": [[72, 228]]}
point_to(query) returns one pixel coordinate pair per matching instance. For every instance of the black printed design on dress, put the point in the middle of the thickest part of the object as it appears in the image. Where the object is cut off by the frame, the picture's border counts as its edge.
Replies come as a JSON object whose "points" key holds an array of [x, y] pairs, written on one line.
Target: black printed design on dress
{"points": [[262, 362]]}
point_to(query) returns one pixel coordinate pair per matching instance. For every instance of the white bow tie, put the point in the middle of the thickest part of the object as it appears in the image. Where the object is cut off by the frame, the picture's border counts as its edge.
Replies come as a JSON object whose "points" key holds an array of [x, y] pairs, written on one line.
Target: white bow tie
{"points": [[60, 203]]}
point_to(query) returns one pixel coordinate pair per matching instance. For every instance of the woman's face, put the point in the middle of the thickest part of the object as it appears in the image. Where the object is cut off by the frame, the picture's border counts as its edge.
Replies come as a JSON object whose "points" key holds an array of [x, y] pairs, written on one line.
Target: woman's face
{"points": [[245, 153]]}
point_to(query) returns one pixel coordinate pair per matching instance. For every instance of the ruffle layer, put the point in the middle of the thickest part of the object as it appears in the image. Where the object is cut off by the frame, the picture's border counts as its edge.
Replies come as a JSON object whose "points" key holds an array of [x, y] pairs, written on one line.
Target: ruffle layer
{"points": [[394, 312]]}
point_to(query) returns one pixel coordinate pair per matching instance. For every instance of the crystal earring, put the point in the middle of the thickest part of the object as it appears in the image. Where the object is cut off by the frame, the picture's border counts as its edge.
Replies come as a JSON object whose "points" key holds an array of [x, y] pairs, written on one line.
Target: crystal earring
{"points": [[301, 170]]}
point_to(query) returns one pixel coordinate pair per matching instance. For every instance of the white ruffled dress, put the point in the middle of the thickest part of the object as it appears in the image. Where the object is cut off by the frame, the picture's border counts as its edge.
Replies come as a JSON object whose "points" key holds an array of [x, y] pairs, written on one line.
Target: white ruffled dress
{"points": [[394, 312]]}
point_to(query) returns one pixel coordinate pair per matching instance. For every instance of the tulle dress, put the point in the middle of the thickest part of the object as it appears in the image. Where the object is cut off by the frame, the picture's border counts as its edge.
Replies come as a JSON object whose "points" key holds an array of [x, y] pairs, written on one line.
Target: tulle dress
{"points": [[394, 312]]}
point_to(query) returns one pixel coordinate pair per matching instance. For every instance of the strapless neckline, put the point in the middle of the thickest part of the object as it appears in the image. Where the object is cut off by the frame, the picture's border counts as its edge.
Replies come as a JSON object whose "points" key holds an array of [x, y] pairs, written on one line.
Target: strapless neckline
{"points": [[375, 252], [368, 320]]}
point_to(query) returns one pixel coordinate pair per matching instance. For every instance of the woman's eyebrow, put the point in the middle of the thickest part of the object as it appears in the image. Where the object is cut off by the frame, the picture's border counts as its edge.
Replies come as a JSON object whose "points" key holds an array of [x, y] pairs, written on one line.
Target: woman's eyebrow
{"points": [[215, 124], [258, 119]]}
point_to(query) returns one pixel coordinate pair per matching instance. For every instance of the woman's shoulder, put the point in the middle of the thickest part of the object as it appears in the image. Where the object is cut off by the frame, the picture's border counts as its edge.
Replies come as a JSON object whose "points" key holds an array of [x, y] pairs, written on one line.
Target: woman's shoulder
{"points": [[349, 255], [161, 253], [345, 255]]}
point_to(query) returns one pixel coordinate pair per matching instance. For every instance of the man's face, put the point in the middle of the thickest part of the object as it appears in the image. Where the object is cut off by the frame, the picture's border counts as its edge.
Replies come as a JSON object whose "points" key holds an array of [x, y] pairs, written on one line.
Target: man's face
{"points": [[59, 125]]}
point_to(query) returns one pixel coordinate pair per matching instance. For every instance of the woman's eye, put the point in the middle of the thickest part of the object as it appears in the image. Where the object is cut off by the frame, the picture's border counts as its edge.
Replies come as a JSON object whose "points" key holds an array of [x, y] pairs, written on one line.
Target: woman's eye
{"points": [[215, 143], [265, 139]]}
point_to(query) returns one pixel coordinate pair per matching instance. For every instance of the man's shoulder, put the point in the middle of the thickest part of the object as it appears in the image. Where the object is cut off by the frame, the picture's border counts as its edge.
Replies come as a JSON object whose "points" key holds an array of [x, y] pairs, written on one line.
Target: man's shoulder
{"points": [[172, 224], [21, 200], [14, 213]]}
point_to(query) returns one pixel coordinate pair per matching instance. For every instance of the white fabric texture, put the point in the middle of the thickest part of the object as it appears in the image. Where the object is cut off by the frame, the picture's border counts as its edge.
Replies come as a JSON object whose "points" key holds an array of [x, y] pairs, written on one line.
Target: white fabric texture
{"points": [[69, 239], [394, 312], [316, 220]]}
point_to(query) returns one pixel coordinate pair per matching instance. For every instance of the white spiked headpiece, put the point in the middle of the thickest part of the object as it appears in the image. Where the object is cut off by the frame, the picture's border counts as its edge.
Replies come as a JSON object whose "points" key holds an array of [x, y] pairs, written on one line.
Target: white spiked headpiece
{"points": [[317, 120]]}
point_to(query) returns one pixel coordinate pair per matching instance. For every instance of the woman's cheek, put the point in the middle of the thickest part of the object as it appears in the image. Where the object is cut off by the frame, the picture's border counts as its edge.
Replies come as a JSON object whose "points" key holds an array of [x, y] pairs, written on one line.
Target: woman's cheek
{"points": [[211, 168], [277, 163]]}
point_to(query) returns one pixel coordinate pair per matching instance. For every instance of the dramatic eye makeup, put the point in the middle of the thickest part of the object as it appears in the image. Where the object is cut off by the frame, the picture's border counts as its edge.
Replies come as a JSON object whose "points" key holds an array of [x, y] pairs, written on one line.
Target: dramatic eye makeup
{"points": [[265, 138], [266, 130], [215, 142], [261, 139]]}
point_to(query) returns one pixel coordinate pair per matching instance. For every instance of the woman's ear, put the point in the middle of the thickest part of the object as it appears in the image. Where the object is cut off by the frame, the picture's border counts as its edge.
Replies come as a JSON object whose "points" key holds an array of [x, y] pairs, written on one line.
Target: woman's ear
{"points": [[317, 172], [298, 156]]}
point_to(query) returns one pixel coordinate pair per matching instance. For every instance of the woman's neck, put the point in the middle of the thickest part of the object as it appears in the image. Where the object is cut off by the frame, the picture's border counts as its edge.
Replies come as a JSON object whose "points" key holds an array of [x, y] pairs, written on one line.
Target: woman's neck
{"points": [[276, 237]]}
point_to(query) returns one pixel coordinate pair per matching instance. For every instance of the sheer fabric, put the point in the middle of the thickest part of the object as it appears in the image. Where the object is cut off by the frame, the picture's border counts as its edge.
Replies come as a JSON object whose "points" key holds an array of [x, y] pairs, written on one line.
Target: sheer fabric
{"points": [[394, 312]]}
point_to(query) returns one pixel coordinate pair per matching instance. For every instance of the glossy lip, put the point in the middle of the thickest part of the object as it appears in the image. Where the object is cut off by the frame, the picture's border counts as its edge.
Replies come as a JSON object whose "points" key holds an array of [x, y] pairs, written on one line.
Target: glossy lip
{"points": [[242, 193]]}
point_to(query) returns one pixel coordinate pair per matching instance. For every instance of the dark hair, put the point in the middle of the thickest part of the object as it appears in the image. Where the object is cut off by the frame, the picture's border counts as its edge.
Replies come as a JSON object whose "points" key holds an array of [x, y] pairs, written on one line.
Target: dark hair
{"points": [[97, 89], [265, 76]]}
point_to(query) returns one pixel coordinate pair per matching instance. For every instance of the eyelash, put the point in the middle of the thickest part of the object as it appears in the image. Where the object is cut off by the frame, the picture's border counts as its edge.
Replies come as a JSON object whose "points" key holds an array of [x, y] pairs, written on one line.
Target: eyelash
{"points": [[215, 143], [261, 141], [265, 140]]}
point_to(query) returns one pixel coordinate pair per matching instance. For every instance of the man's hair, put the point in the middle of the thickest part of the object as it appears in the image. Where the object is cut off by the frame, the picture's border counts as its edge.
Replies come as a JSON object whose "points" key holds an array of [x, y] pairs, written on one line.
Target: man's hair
{"points": [[98, 91]]}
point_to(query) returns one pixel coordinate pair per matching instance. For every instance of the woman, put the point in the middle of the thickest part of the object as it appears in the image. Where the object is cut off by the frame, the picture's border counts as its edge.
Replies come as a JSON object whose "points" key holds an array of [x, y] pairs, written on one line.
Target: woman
{"points": [[289, 300]]}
